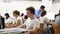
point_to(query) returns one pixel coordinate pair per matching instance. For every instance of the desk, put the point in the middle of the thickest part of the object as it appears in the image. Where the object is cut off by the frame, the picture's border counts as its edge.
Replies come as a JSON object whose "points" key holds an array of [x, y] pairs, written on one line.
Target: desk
{"points": [[14, 31]]}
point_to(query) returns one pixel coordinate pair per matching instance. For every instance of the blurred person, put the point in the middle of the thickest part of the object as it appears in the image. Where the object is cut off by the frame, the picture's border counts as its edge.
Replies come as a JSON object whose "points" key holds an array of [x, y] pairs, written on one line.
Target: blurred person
{"points": [[57, 20], [25, 18], [38, 12], [18, 20], [8, 19], [57, 14], [22, 14], [43, 18], [47, 25], [2, 23], [31, 24]]}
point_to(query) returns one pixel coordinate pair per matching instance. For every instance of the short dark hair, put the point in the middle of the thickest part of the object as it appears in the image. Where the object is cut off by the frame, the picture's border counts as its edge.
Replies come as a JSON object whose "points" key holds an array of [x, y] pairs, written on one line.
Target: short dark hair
{"points": [[25, 17], [22, 14], [43, 13], [42, 6], [32, 9], [6, 14], [16, 12]]}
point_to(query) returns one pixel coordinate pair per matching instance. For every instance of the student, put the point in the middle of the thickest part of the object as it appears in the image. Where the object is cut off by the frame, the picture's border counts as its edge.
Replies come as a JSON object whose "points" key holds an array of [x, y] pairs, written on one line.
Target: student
{"points": [[22, 14], [57, 14], [38, 12], [8, 19], [57, 20], [31, 24], [25, 18], [18, 20], [43, 18], [2, 23]]}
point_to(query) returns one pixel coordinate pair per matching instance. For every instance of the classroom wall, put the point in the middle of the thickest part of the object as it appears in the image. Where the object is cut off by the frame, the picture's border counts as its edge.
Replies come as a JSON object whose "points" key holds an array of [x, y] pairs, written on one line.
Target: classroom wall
{"points": [[17, 5], [22, 5], [56, 7], [55, 10]]}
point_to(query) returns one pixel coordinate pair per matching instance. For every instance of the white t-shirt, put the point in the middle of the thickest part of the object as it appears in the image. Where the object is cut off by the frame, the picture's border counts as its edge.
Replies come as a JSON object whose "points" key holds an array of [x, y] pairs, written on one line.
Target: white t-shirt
{"points": [[44, 20], [57, 20], [30, 23], [9, 20]]}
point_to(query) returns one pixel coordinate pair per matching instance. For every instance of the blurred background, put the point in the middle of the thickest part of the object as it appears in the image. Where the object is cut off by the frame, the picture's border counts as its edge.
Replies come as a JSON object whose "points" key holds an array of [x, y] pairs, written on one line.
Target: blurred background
{"points": [[8, 6]]}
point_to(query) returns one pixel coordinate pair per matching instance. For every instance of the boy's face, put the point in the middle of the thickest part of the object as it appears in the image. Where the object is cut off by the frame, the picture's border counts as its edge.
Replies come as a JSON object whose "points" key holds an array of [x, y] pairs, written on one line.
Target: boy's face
{"points": [[41, 9], [29, 13]]}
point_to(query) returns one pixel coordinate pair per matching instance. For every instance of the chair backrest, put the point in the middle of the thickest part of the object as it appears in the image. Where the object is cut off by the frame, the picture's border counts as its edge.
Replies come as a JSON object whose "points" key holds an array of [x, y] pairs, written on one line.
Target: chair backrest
{"points": [[56, 29], [41, 27]]}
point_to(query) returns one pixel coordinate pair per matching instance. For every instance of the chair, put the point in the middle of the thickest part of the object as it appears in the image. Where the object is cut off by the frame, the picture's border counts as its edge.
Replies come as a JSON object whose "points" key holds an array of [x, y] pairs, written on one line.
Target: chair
{"points": [[56, 29], [41, 29]]}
